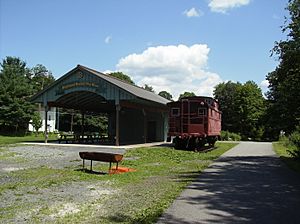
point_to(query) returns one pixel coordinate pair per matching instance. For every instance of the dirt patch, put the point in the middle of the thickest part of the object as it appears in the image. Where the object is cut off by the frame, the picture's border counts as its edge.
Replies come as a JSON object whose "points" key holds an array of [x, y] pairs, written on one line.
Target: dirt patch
{"points": [[53, 202], [143, 195], [67, 209], [10, 169]]}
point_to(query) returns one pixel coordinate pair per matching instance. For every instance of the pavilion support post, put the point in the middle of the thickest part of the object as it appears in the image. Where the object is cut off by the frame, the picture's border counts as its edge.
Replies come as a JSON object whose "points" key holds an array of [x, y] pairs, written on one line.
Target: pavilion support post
{"points": [[46, 124], [57, 118], [145, 125], [72, 121], [118, 108], [82, 123]]}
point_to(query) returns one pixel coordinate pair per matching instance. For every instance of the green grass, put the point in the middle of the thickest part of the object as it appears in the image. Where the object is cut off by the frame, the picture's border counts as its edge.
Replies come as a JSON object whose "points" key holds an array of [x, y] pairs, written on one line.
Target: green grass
{"points": [[44, 177], [282, 151], [6, 154], [5, 140], [161, 174]]}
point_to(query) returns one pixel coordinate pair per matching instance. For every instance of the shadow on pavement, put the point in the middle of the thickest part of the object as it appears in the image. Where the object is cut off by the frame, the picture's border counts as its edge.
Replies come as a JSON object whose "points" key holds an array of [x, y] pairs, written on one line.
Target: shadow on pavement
{"points": [[243, 190]]}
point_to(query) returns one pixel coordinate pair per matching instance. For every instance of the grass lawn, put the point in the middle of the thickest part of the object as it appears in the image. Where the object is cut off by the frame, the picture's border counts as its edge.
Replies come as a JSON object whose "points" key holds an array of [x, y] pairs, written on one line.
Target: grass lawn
{"points": [[282, 151], [5, 140], [43, 194]]}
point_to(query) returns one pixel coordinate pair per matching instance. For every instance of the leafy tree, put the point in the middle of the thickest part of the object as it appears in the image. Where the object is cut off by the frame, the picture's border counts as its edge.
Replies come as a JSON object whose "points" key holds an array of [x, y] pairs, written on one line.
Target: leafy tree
{"points": [[36, 122], [40, 77], [243, 108], [186, 94], [122, 76], [227, 95], [15, 89], [92, 122], [166, 95], [252, 109], [284, 88], [149, 88]]}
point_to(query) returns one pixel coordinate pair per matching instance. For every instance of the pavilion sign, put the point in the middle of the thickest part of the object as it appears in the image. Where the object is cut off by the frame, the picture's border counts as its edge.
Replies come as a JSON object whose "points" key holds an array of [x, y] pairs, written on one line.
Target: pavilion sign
{"points": [[79, 84]]}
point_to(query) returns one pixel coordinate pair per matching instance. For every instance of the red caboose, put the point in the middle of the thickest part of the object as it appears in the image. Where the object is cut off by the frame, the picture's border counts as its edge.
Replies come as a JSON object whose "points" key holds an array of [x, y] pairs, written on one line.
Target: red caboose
{"points": [[194, 121]]}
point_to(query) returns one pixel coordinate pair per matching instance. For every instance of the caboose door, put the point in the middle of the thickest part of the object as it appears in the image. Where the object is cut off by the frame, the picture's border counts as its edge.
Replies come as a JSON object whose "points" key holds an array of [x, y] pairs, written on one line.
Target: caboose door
{"points": [[185, 116], [195, 118]]}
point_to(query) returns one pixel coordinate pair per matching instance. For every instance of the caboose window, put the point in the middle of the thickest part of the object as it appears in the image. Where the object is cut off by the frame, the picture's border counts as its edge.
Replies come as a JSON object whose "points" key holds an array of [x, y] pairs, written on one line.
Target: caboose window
{"points": [[201, 112], [175, 112]]}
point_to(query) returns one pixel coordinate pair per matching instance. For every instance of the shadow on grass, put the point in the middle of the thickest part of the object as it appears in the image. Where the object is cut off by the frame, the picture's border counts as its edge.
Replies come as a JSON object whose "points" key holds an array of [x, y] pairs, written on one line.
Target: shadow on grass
{"points": [[242, 190], [92, 171], [186, 176], [122, 218]]}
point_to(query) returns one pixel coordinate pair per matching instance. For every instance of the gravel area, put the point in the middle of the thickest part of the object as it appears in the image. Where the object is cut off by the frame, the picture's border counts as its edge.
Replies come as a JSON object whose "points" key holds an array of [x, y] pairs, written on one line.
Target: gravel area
{"points": [[23, 202], [57, 157]]}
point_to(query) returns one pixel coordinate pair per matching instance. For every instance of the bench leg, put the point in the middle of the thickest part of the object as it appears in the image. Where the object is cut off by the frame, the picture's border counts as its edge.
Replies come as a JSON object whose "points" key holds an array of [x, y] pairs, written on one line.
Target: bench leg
{"points": [[109, 167], [91, 165], [117, 165], [83, 164]]}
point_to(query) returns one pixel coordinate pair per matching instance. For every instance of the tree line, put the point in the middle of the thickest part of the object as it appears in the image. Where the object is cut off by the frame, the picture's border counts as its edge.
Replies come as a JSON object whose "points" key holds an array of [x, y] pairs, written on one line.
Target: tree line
{"points": [[244, 108], [17, 84]]}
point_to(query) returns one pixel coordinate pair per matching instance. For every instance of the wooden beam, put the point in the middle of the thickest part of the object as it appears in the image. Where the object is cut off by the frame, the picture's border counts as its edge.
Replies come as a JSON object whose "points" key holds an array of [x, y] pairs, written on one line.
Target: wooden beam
{"points": [[137, 106], [118, 108], [82, 123], [46, 124], [145, 125]]}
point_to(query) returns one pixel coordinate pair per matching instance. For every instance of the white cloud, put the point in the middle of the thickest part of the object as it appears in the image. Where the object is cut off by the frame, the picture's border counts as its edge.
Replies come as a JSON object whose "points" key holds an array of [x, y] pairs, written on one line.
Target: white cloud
{"points": [[107, 39], [108, 71], [193, 13], [175, 69], [224, 5], [264, 85]]}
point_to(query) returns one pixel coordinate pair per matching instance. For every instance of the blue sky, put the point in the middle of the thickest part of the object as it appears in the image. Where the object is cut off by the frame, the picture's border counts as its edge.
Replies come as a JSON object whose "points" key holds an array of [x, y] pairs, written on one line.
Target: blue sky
{"points": [[182, 45]]}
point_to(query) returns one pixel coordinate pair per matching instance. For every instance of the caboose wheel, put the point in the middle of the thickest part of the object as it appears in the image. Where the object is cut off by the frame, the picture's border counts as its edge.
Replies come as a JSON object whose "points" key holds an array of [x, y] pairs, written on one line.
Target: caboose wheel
{"points": [[178, 143], [212, 141], [191, 145], [201, 143]]}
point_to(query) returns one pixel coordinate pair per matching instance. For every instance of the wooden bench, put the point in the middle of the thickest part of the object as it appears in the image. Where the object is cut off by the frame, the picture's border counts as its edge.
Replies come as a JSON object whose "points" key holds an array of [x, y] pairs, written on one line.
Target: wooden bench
{"points": [[102, 157]]}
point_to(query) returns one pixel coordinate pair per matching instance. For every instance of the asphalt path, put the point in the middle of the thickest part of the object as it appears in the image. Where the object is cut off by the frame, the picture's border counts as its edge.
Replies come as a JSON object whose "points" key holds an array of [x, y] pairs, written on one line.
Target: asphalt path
{"points": [[247, 184]]}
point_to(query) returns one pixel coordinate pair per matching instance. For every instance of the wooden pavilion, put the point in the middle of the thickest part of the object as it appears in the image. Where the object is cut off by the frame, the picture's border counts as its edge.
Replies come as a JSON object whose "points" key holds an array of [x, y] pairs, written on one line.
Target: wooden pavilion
{"points": [[135, 115]]}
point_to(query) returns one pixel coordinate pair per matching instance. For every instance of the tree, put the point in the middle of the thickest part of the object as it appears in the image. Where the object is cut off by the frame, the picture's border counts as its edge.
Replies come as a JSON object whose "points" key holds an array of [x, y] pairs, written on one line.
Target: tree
{"points": [[36, 122], [186, 94], [284, 88], [252, 109], [148, 88], [40, 77], [227, 95], [122, 76], [166, 95], [71, 120], [243, 107], [15, 90]]}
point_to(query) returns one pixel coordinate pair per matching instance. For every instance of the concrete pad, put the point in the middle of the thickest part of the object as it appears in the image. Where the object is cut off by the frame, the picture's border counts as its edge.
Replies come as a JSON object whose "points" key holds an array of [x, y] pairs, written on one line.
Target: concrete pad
{"points": [[99, 146]]}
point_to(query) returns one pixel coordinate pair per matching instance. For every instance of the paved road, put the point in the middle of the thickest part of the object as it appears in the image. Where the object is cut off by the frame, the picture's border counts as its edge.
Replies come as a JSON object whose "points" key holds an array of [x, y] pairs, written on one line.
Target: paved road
{"points": [[248, 184]]}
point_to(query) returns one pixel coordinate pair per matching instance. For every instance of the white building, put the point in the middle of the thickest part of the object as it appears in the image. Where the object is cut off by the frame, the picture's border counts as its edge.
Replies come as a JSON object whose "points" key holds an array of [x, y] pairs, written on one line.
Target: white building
{"points": [[51, 122]]}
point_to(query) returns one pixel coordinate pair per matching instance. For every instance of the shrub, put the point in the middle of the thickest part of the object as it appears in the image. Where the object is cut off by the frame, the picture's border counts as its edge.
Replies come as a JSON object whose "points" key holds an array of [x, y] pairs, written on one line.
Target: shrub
{"points": [[294, 139], [284, 140], [230, 136]]}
